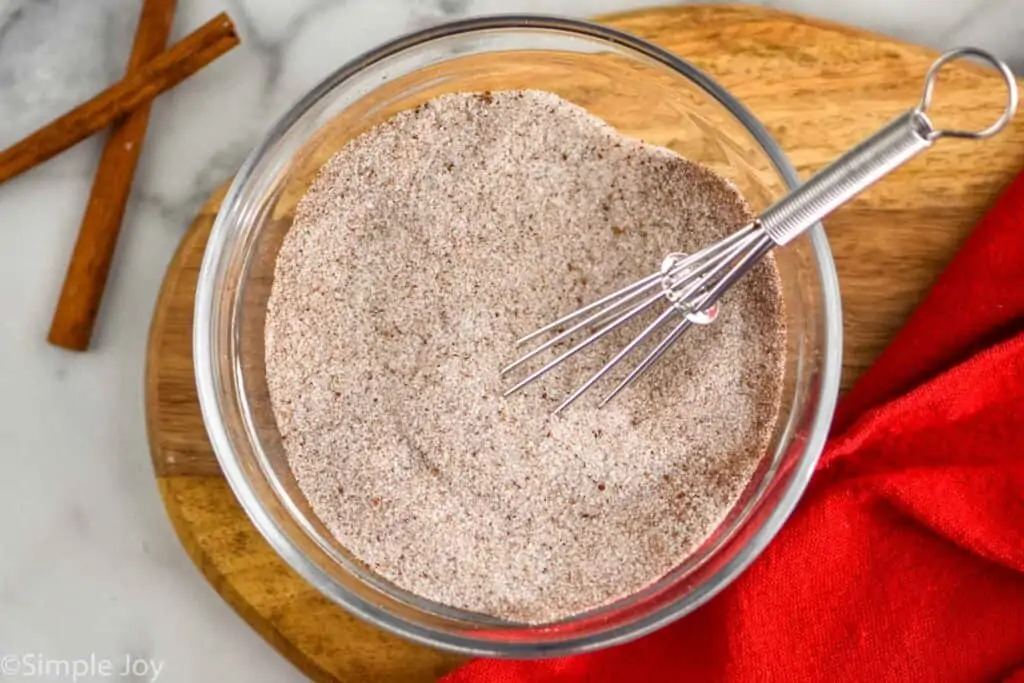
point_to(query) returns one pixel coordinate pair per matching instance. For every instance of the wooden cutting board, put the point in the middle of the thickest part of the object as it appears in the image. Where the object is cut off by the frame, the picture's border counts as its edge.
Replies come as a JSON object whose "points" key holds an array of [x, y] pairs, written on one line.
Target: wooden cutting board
{"points": [[819, 88]]}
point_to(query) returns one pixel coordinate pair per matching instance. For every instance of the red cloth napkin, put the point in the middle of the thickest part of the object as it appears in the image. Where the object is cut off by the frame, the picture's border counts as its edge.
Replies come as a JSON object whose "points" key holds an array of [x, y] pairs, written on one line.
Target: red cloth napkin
{"points": [[905, 559]]}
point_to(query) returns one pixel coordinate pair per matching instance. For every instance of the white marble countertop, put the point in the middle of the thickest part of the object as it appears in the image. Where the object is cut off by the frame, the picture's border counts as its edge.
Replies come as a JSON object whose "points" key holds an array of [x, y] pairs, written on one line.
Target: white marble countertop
{"points": [[89, 565]]}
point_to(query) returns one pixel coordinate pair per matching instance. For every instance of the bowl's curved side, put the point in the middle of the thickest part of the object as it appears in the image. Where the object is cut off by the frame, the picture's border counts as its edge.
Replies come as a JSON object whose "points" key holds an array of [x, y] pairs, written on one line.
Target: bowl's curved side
{"points": [[216, 378]]}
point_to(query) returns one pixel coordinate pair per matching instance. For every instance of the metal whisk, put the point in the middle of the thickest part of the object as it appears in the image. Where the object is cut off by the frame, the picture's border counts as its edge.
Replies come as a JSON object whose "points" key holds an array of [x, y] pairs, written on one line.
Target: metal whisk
{"points": [[689, 286]]}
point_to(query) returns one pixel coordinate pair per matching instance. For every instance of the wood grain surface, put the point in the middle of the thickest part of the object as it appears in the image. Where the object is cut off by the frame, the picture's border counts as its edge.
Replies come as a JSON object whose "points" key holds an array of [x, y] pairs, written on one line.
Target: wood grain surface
{"points": [[819, 88]]}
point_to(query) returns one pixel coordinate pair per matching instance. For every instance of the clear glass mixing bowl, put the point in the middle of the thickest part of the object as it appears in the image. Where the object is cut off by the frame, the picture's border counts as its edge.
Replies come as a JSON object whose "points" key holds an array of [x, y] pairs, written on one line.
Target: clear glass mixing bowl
{"points": [[643, 91]]}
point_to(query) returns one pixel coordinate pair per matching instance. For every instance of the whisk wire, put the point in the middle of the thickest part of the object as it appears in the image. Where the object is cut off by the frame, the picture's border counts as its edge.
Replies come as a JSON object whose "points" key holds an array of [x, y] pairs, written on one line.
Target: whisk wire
{"points": [[648, 361], [761, 246], [639, 284], [604, 331], [710, 268], [587, 322], [625, 351], [617, 299], [684, 283]]}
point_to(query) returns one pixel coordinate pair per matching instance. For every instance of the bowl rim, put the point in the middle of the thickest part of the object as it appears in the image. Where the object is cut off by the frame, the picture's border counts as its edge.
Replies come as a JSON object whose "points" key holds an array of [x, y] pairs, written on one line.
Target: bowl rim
{"points": [[208, 377]]}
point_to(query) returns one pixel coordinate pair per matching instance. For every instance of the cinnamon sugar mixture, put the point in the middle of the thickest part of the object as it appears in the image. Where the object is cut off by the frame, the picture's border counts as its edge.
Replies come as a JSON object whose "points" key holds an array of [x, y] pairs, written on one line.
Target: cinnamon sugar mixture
{"points": [[420, 253]]}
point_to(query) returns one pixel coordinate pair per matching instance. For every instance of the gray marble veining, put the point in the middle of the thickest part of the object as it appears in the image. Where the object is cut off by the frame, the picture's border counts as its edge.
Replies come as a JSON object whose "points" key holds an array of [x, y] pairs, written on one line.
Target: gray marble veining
{"points": [[88, 561]]}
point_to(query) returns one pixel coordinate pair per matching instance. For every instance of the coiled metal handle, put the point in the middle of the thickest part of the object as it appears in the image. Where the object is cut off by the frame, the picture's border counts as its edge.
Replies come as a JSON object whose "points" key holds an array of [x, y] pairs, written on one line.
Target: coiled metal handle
{"points": [[900, 140]]}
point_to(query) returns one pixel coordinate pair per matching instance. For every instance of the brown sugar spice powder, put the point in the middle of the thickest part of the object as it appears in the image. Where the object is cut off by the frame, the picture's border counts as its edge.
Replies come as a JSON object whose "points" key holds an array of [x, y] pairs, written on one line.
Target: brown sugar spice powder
{"points": [[421, 252]]}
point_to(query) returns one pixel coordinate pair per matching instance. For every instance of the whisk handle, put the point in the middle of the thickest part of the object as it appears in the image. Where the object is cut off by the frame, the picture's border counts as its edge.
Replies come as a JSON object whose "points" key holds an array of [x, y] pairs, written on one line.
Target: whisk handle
{"points": [[900, 140], [846, 177]]}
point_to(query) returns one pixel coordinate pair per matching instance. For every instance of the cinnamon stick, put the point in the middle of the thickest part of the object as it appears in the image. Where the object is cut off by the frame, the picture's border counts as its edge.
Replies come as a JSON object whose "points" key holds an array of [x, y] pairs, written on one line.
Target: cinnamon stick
{"points": [[87, 273], [164, 71]]}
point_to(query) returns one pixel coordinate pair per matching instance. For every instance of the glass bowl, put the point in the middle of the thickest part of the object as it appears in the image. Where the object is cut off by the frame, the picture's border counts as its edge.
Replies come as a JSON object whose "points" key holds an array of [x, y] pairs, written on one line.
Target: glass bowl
{"points": [[636, 87]]}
